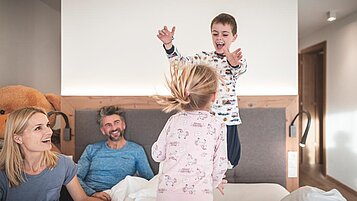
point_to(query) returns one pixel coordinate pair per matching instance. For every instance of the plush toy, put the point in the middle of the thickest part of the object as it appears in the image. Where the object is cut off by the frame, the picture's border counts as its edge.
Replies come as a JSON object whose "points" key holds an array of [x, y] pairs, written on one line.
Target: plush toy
{"points": [[14, 97]]}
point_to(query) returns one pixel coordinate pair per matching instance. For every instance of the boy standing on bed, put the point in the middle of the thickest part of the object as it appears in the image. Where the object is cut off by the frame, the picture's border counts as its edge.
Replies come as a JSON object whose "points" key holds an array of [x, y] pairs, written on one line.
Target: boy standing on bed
{"points": [[230, 66]]}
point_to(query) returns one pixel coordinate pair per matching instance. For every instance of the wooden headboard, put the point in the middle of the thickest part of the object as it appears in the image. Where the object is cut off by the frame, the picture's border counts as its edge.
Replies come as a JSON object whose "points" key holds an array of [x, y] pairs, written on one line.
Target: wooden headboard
{"points": [[264, 132]]}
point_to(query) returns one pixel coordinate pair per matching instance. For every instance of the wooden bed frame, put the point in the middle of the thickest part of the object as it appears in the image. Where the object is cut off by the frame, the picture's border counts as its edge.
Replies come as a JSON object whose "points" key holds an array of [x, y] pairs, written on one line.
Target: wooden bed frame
{"points": [[70, 104]]}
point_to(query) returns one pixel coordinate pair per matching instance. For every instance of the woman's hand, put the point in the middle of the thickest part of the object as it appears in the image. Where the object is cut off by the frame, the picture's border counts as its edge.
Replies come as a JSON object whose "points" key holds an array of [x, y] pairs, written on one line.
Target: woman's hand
{"points": [[102, 195], [77, 193]]}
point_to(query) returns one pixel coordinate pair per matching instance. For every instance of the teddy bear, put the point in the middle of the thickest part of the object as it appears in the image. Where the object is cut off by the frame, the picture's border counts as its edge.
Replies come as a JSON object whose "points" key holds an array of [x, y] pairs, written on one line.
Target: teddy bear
{"points": [[14, 97]]}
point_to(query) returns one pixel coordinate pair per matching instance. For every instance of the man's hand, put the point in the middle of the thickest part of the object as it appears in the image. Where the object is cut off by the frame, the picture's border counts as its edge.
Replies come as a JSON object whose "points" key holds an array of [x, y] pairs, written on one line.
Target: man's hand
{"points": [[102, 195], [166, 36], [234, 58], [220, 187]]}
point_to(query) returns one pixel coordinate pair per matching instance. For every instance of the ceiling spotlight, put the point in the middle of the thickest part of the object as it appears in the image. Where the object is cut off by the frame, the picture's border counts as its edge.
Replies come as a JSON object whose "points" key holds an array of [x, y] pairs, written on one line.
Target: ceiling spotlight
{"points": [[331, 16]]}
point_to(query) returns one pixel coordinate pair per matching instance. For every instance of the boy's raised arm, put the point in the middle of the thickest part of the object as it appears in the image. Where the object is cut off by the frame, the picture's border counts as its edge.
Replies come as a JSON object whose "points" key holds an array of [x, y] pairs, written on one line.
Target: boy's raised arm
{"points": [[166, 36]]}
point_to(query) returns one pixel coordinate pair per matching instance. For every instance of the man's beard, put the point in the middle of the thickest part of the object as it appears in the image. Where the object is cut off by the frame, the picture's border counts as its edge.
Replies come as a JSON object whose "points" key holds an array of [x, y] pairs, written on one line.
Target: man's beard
{"points": [[116, 138]]}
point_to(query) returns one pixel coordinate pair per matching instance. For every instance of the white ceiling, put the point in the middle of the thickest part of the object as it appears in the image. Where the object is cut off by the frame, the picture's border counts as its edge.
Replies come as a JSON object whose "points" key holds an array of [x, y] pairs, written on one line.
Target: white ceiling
{"points": [[312, 14]]}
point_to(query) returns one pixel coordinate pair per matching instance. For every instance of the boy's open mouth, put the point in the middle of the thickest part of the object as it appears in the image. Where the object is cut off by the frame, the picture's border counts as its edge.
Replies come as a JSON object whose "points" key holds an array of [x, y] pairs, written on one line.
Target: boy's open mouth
{"points": [[220, 44]]}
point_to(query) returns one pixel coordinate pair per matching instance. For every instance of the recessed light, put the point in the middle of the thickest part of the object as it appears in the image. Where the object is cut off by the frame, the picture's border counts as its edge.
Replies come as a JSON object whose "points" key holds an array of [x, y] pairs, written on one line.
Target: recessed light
{"points": [[331, 16]]}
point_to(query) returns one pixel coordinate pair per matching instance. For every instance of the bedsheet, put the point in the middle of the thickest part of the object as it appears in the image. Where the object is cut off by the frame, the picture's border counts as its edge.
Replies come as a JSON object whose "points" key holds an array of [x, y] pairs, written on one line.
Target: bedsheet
{"points": [[138, 189], [251, 192]]}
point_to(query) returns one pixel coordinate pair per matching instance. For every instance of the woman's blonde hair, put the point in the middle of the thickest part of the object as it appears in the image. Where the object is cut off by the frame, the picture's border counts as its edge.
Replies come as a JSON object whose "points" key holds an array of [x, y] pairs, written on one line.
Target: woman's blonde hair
{"points": [[192, 87], [11, 156]]}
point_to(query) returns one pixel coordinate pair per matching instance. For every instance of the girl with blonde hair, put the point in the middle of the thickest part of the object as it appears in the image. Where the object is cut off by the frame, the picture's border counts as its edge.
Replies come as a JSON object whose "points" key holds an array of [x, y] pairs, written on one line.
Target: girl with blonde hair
{"points": [[28, 168], [192, 145]]}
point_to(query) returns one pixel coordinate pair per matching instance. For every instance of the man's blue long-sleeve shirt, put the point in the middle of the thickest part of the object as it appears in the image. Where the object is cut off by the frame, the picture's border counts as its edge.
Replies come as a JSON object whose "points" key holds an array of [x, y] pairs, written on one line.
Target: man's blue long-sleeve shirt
{"points": [[100, 167]]}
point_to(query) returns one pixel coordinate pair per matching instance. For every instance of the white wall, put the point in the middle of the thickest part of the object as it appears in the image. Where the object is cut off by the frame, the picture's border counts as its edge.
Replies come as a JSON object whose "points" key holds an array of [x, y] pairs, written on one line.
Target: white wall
{"points": [[30, 38], [341, 119], [110, 47]]}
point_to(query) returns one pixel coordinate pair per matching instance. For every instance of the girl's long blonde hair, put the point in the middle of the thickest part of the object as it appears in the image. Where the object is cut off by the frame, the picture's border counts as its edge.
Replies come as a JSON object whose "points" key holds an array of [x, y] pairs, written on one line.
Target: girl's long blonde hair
{"points": [[192, 87], [11, 156]]}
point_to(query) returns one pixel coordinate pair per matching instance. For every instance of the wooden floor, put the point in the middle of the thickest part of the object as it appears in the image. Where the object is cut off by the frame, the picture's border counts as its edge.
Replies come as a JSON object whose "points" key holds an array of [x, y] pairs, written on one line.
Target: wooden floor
{"points": [[311, 175]]}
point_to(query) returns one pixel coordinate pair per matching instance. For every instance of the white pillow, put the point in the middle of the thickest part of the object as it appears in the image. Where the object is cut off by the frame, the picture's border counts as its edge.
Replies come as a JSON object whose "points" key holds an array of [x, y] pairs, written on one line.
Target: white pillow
{"points": [[308, 193]]}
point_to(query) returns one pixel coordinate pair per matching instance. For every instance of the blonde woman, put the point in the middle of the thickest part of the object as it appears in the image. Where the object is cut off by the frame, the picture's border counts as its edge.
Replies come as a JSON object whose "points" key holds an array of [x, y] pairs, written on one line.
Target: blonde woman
{"points": [[28, 169], [192, 145]]}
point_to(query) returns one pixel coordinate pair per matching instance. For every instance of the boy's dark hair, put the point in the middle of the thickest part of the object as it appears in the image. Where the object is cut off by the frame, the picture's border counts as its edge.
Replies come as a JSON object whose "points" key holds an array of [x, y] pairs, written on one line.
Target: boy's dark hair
{"points": [[224, 19], [109, 110]]}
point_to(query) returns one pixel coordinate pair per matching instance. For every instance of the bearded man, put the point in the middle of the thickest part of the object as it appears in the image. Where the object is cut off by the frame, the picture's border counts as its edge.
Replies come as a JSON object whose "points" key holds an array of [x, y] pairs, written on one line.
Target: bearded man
{"points": [[103, 164]]}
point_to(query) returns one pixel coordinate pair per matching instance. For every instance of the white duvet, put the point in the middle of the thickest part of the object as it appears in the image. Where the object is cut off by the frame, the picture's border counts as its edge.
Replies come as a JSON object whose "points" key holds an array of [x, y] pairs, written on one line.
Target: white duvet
{"points": [[308, 193], [134, 189]]}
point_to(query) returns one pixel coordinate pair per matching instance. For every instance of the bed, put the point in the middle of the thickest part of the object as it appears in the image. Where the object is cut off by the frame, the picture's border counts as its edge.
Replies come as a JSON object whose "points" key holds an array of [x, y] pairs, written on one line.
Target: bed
{"points": [[138, 189], [261, 173]]}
